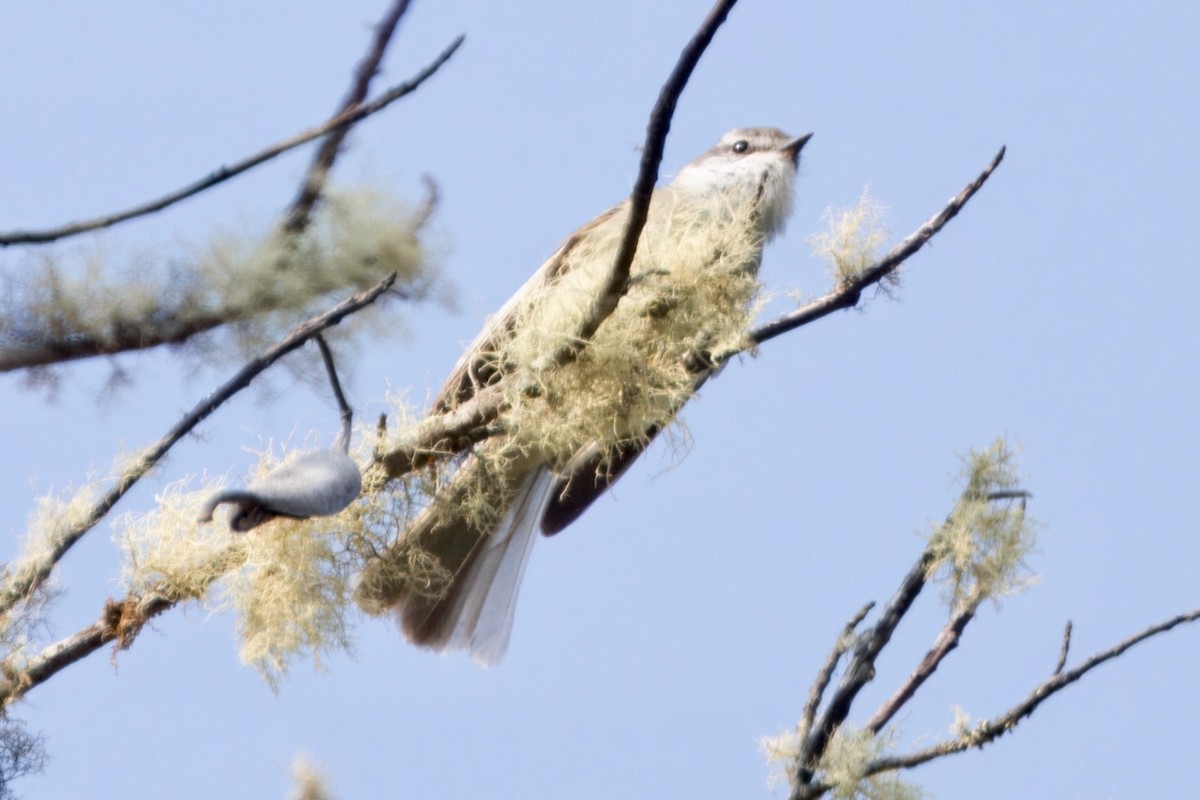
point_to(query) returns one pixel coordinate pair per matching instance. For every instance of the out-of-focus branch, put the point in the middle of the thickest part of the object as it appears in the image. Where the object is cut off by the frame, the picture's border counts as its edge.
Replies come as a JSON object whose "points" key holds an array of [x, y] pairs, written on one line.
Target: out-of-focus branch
{"points": [[318, 171], [849, 293], [191, 315], [345, 119], [34, 571], [439, 435]]}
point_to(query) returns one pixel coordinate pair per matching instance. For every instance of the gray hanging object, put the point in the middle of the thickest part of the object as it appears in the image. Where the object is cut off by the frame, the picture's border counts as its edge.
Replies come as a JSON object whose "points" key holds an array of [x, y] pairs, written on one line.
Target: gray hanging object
{"points": [[316, 484]]}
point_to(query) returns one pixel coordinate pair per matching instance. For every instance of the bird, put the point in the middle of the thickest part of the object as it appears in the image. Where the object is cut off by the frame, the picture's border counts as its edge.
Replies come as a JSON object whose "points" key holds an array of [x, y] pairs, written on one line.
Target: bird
{"points": [[574, 423]]}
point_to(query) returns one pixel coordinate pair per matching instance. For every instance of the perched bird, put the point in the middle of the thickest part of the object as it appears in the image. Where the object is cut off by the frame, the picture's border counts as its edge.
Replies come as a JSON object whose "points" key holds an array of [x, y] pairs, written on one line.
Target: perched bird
{"points": [[575, 422]]}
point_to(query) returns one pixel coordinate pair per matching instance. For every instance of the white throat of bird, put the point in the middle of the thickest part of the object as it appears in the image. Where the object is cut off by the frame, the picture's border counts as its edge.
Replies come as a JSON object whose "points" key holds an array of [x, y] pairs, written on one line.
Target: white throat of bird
{"points": [[753, 165]]}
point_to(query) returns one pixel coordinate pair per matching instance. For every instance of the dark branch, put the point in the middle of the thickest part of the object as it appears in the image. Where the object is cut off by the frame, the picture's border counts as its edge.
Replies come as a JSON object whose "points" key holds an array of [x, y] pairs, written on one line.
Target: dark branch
{"points": [[848, 294], [991, 730], [826, 673], [946, 641], [1066, 649], [652, 153], [34, 571], [318, 171], [344, 407], [224, 173], [859, 673]]}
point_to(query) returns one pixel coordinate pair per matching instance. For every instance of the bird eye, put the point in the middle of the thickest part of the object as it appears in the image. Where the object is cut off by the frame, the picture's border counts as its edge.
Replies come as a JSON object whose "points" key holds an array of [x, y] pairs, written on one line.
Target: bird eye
{"points": [[741, 146]]}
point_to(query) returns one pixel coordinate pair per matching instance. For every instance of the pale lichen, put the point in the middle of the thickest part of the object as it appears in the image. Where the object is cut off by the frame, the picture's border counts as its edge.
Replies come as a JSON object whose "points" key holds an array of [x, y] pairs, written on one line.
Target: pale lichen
{"points": [[980, 551], [852, 242], [257, 285]]}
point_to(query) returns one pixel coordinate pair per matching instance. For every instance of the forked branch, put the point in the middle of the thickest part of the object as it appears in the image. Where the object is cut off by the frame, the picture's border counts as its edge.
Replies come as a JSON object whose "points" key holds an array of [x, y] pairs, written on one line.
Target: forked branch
{"points": [[341, 121]]}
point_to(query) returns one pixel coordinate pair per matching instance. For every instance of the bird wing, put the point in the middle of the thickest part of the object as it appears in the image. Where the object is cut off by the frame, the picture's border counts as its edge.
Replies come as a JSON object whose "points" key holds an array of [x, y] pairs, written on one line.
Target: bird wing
{"points": [[477, 366], [593, 471]]}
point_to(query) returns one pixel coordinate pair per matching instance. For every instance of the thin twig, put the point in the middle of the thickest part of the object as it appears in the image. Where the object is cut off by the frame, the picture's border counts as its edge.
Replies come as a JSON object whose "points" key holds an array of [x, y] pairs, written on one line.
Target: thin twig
{"points": [[34, 571], [992, 729], [1066, 649], [225, 172], [826, 672], [347, 413], [946, 641], [643, 188], [318, 171], [848, 294], [446, 433], [858, 674]]}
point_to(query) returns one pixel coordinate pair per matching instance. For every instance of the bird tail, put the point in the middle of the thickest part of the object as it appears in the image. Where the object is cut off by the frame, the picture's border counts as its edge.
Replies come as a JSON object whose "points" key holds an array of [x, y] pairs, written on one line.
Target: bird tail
{"points": [[474, 611]]}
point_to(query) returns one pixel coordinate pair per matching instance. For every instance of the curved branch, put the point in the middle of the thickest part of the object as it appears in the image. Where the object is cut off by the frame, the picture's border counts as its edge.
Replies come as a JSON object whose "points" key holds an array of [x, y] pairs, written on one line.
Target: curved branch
{"points": [[347, 413], [34, 571], [652, 152], [848, 294], [224, 173], [318, 171]]}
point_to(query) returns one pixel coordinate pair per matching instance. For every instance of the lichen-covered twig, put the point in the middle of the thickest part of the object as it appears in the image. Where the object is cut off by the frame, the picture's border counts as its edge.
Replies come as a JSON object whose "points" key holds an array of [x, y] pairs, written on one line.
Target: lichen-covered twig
{"points": [[652, 152], [859, 672], [32, 572], [848, 294]]}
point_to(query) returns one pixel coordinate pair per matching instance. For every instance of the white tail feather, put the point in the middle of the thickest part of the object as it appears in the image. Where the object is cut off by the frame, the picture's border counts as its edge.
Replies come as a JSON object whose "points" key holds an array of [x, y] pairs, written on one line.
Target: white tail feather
{"points": [[486, 605]]}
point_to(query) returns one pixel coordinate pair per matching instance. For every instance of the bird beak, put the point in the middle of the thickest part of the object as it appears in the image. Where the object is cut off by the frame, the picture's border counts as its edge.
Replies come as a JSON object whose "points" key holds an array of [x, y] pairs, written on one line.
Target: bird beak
{"points": [[794, 147]]}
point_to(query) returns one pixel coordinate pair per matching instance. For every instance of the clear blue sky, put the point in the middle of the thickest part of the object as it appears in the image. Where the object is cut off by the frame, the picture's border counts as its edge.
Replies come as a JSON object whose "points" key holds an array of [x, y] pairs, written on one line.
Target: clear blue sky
{"points": [[685, 616]]}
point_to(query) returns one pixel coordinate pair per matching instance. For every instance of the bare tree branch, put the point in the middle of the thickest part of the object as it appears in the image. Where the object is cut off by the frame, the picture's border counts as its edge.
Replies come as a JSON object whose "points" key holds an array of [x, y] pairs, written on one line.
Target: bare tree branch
{"points": [[347, 413], [858, 674], [991, 730], [946, 641], [652, 152], [826, 672], [848, 294], [1066, 649], [120, 622], [318, 171], [344, 119], [34, 571]]}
